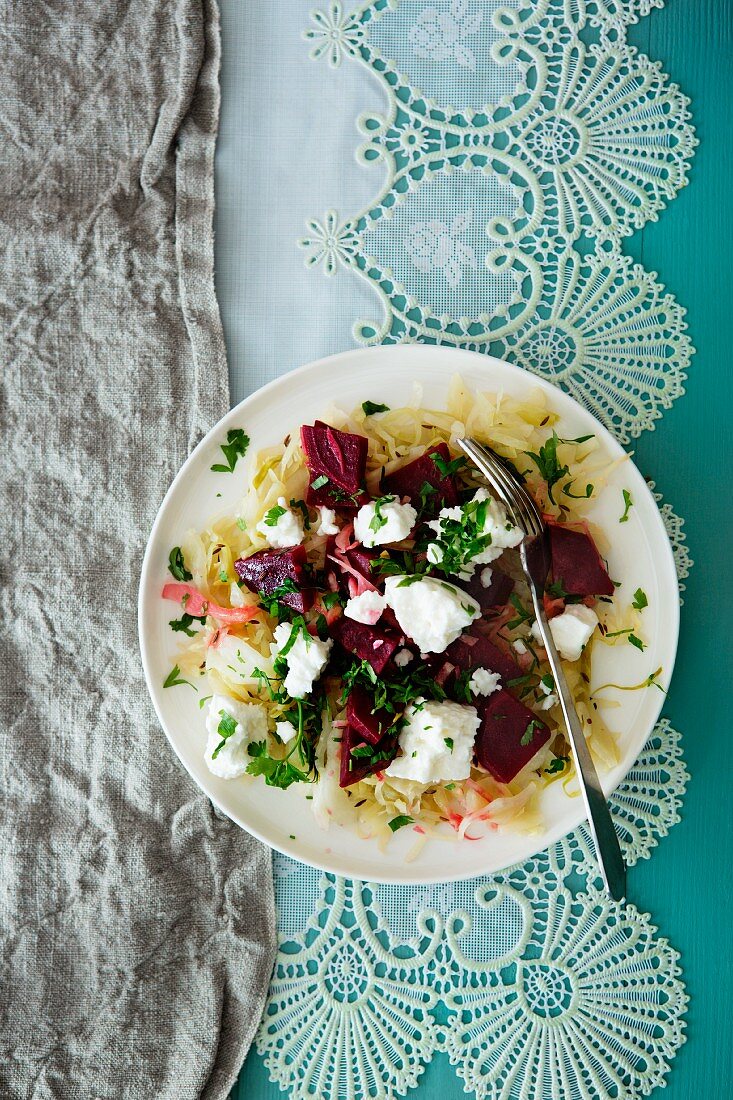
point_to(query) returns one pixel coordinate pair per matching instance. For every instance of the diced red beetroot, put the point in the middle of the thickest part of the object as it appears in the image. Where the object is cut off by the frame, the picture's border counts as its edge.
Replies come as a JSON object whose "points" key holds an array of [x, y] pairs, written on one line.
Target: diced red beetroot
{"points": [[408, 480], [361, 559], [355, 768], [339, 456], [368, 723], [497, 593], [481, 653], [505, 722], [368, 643], [576, 563], [332, 496], [266, 570]]}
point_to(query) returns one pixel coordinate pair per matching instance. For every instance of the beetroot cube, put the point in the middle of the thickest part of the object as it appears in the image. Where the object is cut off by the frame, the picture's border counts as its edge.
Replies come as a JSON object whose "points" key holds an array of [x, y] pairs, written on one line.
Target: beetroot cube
{"points": [[361, 558], [495, 595], [369, 723], [333, 496], [576, 563], [354, 768], [339, 456], [266, 570], [505, 724], [368, 643], [483, 653], [409, 480]]}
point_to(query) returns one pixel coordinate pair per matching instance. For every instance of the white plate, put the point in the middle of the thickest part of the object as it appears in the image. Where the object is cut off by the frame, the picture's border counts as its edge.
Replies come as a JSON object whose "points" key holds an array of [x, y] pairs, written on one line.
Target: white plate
{"points": [[640, 556]]}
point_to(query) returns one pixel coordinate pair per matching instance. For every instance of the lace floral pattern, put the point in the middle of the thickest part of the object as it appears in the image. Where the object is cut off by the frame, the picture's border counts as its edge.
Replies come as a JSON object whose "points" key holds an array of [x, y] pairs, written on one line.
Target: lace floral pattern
{"points": [[548, 139], [522, 144], [531, 979]]}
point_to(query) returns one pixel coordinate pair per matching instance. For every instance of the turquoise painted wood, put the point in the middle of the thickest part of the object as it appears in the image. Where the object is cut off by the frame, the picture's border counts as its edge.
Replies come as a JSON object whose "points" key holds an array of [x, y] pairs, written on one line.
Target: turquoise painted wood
{"points": [[687, 885]]}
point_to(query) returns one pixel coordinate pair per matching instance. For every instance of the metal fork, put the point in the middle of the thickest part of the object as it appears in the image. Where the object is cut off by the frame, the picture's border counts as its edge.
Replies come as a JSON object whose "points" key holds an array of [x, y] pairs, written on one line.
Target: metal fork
{"points": [[535, 556]]}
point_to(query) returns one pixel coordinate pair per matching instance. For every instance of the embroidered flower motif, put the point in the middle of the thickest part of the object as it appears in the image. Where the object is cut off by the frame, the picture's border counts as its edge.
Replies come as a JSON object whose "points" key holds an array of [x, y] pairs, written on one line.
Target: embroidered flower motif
{"points": [[342, 1010], [441, 36], [330, 244], [435, 246], [334, 34], [606, 332], [573, 1016], [614, 158]]}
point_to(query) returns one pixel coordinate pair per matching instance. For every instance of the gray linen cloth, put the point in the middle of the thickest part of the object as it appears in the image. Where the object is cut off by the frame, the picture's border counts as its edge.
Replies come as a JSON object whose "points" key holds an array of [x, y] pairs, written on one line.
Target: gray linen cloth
{"points": [[136, 922]]}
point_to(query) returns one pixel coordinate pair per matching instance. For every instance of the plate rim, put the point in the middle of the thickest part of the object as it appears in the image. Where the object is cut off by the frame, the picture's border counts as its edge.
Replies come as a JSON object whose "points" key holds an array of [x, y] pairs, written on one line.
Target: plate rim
{"points": [[552, 834]]}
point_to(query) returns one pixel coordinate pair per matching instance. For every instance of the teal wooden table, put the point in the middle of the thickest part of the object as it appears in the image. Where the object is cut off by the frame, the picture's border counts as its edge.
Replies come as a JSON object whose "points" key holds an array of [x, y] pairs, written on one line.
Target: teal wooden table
{"points": [[687, 885]]}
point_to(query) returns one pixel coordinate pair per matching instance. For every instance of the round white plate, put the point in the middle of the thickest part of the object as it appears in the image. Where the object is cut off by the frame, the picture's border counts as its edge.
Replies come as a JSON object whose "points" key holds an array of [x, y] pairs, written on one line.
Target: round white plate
{"points": [[640, 556]]}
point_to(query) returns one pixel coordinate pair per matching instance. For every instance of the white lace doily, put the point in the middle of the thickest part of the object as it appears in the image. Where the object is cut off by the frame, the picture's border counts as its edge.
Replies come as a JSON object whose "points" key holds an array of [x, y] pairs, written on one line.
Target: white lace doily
{"points": [[519, 146]]}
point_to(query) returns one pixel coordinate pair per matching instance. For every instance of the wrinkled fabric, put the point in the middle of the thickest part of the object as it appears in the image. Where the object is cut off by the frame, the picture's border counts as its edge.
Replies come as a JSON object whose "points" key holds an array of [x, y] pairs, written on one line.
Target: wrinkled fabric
{"points": [[136, 922]]}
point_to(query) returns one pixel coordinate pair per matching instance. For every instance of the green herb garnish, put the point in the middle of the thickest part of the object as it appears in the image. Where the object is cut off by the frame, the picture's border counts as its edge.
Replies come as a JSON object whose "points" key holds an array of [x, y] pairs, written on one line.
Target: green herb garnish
{"points": [[399, 822], [185, 622], [273, 515], [227, 728], [371, 407], [448, 743], [628, 504], [557, 764], [640, 601], [447, 469], [173, 679], [177, 565], [319, 482], [528, 734], [234, 449]]}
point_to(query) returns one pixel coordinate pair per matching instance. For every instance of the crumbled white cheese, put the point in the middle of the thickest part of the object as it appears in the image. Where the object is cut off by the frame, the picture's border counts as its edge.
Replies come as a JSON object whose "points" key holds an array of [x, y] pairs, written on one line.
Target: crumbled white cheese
{"points": [[285, 730], [495, 524], [365, 608], [306, 659], [402, 657], [383, 521], [287, 530], [484, 682], [549, 702], [327, 522], [519, 646], [251, 725], [436, 742], [486, 574], [430, 611], [571, 630]]}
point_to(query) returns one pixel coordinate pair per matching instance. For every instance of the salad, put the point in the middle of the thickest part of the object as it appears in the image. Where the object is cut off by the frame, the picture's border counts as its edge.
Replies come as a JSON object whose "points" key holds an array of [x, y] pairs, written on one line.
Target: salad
{"points": [[361, 628]]}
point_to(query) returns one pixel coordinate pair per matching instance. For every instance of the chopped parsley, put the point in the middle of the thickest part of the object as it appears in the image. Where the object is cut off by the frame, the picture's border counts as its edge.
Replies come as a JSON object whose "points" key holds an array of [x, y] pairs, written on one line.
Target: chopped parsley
{"points": [[407, 581], [448, 743], [630, 637], [303, 509], [556, 589], [234, 449], [447, 469], [177, 565], [173, 679], [628, 504], [320, 481], [298, 765], [273, 515], [640, 601], [577, 496], [528, 735], [523, 615], [371, 407], [557, 764], [227, 728], [548, 464], [426, 490], [459, 541], [185, 622], [399, 822], [378, 520]]}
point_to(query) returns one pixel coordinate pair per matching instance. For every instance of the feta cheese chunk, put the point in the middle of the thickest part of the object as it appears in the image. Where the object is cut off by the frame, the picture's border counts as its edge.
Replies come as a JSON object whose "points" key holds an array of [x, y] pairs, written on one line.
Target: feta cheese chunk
{"points": [[383, 521], [430, 611], [571, 630], [327, 522], [402, 657], [281, 528], [226, 748], [436, 743], [486, 574], [365, 608], [458, 528], [484, 682], [306, 659]]}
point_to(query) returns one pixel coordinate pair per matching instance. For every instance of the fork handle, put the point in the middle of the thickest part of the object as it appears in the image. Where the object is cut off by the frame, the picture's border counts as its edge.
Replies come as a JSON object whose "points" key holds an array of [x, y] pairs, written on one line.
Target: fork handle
{"points": [[608, 850]]}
